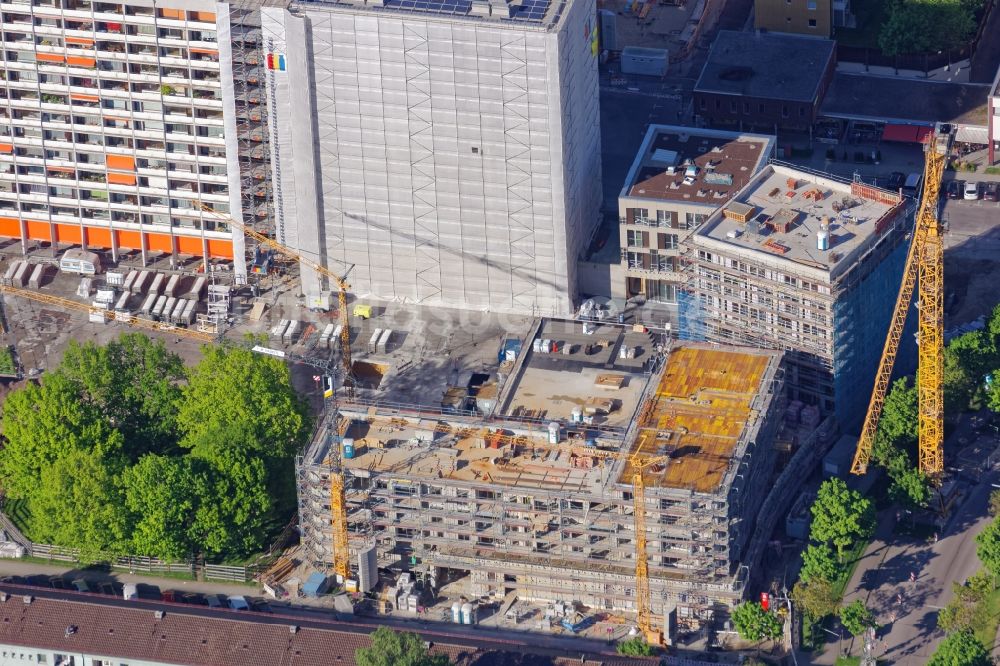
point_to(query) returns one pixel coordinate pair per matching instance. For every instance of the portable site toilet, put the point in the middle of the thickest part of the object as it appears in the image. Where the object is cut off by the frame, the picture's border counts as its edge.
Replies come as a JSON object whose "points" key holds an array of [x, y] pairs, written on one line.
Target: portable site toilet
{"points": [[291, 332], [383, 341], [35, 281], [373, 342], [141, 280], [157, 284], [172, 284], [147, 305]]}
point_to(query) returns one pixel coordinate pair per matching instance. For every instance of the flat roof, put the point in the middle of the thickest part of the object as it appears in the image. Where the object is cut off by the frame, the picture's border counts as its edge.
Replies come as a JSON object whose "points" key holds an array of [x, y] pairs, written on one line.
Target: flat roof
{"points": [[766, 65], [525, 12], [702, 405], [725, 161], [788, 207], [897, 99]]}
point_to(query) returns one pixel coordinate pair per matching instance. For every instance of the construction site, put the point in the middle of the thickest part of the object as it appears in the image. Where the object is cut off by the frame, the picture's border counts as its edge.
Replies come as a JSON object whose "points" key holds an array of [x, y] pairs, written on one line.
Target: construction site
{"points": [[535, 494]]}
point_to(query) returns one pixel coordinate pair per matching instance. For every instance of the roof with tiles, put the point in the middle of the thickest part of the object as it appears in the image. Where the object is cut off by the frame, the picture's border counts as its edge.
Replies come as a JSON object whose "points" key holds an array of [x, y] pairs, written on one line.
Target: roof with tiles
{"points": [[101, 629]]}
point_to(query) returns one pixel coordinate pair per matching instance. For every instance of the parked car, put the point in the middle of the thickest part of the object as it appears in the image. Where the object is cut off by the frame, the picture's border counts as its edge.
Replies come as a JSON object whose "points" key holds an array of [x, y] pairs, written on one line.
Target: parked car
{"points": [[954, 189], [971, 191], [81, 585], [895, 181], [991, 192], [213, 601], [238, 602]]}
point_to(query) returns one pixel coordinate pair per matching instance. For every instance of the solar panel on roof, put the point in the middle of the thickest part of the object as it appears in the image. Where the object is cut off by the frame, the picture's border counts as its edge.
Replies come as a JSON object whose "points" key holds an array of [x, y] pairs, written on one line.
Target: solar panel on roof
{"points": [[529, 10]]}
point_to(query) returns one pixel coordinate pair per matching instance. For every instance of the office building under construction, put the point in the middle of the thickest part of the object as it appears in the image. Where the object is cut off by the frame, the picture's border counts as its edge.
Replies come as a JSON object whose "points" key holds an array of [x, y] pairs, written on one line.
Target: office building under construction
{"points": [[530, 489]]}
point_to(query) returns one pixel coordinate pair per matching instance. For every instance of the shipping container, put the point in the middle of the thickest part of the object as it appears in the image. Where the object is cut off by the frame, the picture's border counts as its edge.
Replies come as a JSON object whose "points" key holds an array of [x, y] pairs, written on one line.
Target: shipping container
{"points": [[21, 274], [157, 310], [175, 314], [279, 329], [141, 280], [8, 277], [168, 308], [147, 305], [172, 283], [130, 280], [324, 339], [197, 288], [291, 333], [157, 285], [373, 342], [35, 281], [383, 342], [122, 304], [187, 317]]}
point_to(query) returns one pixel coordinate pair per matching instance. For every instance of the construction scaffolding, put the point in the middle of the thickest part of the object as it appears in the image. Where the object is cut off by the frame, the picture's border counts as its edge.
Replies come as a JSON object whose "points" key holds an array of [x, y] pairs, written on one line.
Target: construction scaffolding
{"points": [[550, 515]]}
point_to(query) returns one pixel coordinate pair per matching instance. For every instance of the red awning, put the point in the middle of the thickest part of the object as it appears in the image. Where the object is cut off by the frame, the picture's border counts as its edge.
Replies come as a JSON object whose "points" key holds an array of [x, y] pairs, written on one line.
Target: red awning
{"points": [[924, 134], [905, 133]]}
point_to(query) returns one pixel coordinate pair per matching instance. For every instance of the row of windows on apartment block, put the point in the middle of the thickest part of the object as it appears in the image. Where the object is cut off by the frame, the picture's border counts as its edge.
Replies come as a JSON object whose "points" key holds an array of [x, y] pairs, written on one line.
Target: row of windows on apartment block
{"points": [[769, 317], [808, 312], [58, 659], [758, 271], [761, 107], [669, 219]]}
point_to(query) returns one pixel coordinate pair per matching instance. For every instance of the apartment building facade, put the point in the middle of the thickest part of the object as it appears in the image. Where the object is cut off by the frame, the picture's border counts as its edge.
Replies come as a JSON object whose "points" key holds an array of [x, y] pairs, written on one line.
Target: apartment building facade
{"points": [[449, 154], [804, 17], [118, 123], [810, 264], [680, 176]]}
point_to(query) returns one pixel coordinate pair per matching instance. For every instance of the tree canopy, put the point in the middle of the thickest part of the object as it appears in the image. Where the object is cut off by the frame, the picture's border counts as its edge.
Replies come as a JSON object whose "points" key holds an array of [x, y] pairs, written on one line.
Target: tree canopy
{"points": [[120, 449], [856, 617], [841, 516], [961, 648], [753, 623], [397, 648], [988, 546], [636, 647], [926, 26], [817, 598], [818, 563]]}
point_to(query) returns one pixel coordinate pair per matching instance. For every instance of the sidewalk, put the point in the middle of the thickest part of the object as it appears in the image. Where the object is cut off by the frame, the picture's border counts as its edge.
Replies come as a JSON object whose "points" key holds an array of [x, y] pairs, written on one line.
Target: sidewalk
{"points": [[958, 72]]}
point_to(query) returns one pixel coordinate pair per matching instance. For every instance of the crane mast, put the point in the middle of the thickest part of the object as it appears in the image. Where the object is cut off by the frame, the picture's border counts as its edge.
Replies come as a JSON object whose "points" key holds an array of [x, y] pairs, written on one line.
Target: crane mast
{"points": [[923, 271]]}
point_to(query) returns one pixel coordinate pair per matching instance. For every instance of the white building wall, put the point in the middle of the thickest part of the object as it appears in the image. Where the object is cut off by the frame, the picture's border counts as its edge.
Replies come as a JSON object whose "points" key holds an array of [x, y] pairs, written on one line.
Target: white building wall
{"points": [[457, 160]]}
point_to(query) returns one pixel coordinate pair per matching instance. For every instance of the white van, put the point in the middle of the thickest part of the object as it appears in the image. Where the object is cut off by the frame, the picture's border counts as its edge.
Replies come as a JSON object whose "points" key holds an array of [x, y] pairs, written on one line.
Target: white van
{"points": [[238, 603], [130, 591]]}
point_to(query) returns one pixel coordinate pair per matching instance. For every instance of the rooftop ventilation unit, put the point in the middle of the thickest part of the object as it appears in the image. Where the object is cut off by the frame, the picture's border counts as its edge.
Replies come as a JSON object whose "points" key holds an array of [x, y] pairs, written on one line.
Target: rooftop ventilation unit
{"points": [[158, 614]]}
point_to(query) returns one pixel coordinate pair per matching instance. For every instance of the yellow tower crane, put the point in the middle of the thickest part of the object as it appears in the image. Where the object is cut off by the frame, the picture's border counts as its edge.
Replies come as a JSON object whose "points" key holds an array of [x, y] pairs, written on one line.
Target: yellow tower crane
{"points": [[341, 282], [924, 270]]}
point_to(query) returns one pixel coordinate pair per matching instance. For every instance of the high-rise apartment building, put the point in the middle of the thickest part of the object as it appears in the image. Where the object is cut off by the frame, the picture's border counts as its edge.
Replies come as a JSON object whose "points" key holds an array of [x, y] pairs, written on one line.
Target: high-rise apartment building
{"points": [[680, 176], [449, 152], [120, 120], [807, 263]]}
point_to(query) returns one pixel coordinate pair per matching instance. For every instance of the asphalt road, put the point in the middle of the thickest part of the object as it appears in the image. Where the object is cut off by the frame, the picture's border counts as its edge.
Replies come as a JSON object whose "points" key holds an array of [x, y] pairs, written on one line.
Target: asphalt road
{"points": [[907, 611]]}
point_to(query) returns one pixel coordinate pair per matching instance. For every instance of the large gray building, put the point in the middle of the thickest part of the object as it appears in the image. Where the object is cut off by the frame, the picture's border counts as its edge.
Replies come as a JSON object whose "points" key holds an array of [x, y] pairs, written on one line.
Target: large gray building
{"points": [[450, 152]]}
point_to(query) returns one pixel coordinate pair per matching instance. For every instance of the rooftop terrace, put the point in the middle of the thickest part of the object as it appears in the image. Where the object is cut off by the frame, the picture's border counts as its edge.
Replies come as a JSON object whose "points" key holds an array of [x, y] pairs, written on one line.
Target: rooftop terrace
{"points": [[780, 213], [724, 162], [698, 414]]}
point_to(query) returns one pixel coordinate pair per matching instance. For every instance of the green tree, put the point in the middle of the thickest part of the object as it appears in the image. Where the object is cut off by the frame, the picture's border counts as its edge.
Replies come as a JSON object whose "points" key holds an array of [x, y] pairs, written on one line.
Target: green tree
{"points": [[856, 617], [966, 609], [993, 392], [160, 497], [233, 503], [897, 427], [78, 505], [925, 26], [43, 424], [909, 486], [397, 648], [818, 563], [988, 546], [816, 599], [134, 382], [636, 647], [753, 623], [995, 503], [841, 516], [960, 649]]}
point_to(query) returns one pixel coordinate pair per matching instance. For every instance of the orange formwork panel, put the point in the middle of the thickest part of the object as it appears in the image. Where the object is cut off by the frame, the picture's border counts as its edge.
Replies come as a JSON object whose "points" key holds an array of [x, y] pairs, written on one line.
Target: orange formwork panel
{"points": [[220, 249], [69, 233], [189, 245], [38, 231], [10, 227], [159, 243], [99, 237], [129, 239]]}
